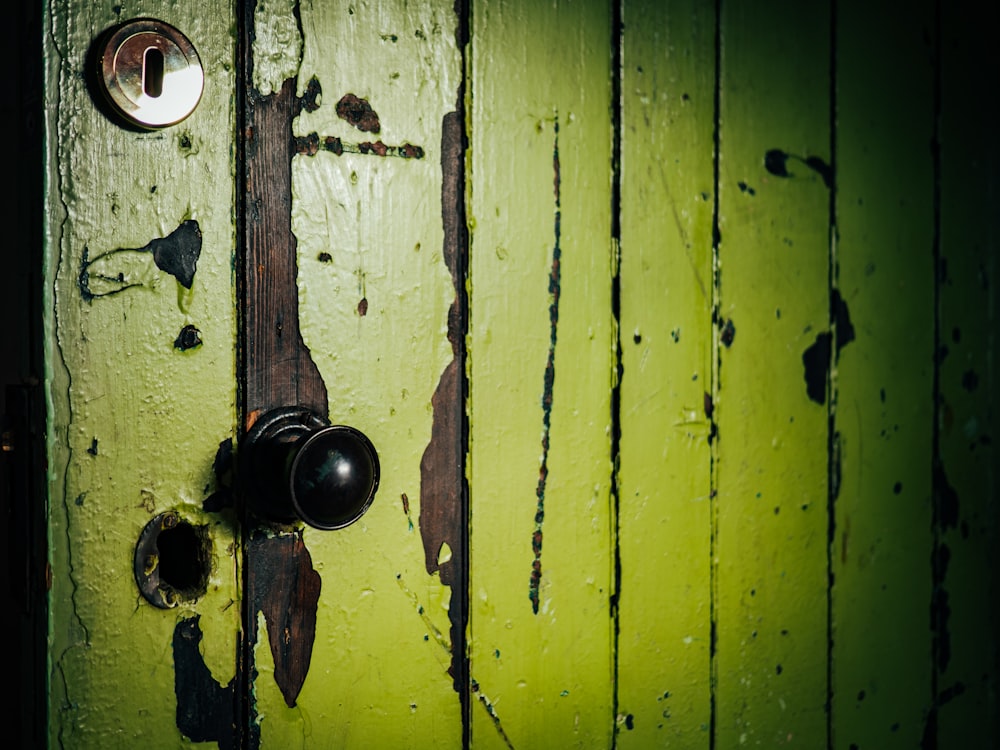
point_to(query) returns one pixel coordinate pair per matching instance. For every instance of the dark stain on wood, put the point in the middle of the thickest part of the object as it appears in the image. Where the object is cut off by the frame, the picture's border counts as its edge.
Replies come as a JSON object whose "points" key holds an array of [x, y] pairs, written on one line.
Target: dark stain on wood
{"points": [[816, 362], [359, 113], [204, 707], [817, 358], [176, 254], [284, 587], [548, 381], [776, 162], [188, 338], [277, 365], [222, 467], [276, 368], [442, 516], [728, 333], [313, 143]]}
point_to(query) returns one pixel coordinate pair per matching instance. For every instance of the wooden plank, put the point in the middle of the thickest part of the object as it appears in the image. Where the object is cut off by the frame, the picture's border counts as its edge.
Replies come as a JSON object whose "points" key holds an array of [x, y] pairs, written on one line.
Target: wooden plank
{"points": [[770, 534], [140, 392], [374, 290], [540, 375], [966, 574], [664, 522], [882, 548]]}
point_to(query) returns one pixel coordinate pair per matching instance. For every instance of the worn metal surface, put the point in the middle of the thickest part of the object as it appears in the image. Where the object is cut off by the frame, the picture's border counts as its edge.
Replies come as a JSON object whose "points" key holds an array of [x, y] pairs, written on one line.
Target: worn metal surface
{"points": [[134, 421]]}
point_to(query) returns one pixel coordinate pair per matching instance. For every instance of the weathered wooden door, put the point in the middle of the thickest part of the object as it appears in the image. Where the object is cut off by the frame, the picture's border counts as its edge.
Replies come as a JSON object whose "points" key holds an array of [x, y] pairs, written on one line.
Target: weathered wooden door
{"points": [[672, 325]]}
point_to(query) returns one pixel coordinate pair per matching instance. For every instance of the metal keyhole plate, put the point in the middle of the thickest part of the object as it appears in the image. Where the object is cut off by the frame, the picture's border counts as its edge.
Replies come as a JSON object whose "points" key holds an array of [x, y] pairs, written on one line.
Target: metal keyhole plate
{"points": [[150, 73]]}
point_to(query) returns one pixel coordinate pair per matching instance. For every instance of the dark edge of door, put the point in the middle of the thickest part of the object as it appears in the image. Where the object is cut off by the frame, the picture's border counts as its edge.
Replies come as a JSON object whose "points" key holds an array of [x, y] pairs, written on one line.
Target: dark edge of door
{"points": [[24, 578]]}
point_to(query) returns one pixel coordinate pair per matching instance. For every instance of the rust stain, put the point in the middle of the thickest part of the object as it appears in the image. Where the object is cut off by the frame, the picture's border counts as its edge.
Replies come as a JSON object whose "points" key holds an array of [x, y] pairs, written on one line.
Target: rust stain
{"points": [[284, 587], [359, 113], [555, 276]]}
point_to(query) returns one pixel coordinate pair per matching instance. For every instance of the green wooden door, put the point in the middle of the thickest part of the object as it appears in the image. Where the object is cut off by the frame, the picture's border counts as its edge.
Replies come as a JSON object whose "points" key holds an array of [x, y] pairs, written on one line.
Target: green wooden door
{"points": [[672, 323]]}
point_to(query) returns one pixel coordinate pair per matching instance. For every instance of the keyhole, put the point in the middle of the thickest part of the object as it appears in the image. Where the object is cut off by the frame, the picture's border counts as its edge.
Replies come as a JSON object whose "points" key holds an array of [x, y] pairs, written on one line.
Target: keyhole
{"points": [[152, 72]]}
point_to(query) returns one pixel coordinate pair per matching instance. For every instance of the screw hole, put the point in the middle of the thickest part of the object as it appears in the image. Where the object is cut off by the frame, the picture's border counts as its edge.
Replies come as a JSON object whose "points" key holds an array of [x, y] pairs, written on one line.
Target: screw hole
{"points": [[173, 561], [184, 559]]}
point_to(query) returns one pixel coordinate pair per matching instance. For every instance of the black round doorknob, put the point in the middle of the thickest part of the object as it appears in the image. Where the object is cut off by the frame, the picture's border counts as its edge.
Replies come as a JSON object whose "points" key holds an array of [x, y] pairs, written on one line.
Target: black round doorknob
{"points": [[294, 465]]}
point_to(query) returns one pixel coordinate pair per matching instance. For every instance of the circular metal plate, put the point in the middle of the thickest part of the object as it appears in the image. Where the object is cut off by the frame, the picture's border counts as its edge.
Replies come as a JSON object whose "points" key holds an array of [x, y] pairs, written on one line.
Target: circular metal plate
{"points": [[150, 73]]}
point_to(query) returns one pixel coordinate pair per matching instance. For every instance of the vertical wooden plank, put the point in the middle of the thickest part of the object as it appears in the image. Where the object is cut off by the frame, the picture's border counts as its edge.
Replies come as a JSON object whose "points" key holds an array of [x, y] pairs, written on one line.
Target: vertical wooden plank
{"points": [[140, 362], [882, 548], [541, 375], [379, 83], [664, 522], [770, 536], [966, 574]]}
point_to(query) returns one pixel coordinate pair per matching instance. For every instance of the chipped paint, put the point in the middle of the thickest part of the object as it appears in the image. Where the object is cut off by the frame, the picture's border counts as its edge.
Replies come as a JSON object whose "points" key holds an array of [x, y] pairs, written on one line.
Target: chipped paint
{"points": [[548, 381], [442, 508], [205, 709], [277, 44], [188, 338], [312, 144], [359, 113], [283, 586]]}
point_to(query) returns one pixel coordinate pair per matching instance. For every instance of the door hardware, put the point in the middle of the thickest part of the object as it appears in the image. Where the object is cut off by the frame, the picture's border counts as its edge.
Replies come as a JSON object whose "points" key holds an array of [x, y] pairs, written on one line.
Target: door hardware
{"points": [[294, 465], [149, 73]]}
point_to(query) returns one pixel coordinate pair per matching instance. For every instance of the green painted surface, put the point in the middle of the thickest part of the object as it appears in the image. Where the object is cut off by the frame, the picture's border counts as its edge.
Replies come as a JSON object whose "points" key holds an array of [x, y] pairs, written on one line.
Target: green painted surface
{"points": [[664, 521], [968, 708], [374, 293], [134, 421], [727, 630], [540, 208], [771, 461], [882, 549]]}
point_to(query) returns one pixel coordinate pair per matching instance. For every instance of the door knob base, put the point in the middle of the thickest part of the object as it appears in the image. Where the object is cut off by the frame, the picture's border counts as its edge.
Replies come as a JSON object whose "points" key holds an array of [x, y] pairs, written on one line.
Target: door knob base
{"points": [[296, 466]]}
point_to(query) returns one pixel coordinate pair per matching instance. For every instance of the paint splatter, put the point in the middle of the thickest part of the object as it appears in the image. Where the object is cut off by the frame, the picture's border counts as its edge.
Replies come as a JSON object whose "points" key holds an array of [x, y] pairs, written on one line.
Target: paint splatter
{"points": [[548, 382], [115, 271], [776, 162]]}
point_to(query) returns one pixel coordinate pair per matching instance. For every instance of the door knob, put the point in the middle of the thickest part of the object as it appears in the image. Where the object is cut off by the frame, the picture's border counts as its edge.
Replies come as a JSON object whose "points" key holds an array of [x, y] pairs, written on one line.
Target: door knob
{"points": [[294, 465]]}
